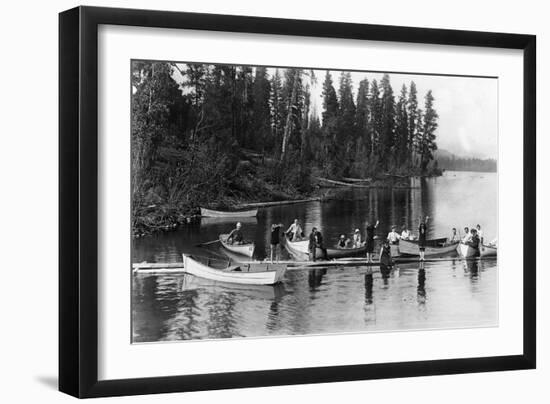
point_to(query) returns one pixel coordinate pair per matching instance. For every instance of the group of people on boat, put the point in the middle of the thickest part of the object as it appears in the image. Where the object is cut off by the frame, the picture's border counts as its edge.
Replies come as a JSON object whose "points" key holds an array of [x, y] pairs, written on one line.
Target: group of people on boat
{"points": [[473, 237]]}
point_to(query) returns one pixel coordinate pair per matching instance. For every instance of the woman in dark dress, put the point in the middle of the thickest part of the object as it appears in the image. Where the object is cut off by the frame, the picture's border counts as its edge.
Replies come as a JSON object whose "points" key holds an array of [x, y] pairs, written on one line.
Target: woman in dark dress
{"points": [[369, 240], [422, 227], [275, 241]]}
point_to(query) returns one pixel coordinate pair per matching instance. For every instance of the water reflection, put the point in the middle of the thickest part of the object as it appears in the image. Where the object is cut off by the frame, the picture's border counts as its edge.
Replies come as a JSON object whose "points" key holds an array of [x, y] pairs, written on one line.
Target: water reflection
{"points": [[432, 295]]}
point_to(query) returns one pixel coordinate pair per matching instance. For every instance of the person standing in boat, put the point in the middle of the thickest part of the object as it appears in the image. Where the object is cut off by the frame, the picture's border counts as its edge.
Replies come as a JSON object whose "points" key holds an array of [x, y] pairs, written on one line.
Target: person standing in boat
{"points": [[370, 229], [294, 232], [274, 243], [357, 238], [474, 242], [422, 228], [236, 235], [319, 244], [393, 236], [467, 235], [454, 237], [480, 234]]}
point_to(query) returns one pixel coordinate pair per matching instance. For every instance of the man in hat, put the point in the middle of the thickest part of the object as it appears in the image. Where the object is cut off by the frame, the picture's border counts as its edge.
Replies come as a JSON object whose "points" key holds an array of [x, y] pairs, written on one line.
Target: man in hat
{"points": [[236, 235]]}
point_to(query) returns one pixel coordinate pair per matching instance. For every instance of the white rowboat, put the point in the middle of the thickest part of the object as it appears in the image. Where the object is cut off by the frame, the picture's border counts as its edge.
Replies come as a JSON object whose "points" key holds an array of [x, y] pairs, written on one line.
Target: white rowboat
{"points": [[407, 247], [219, 213], [247, 274], [243, 249], [464, 250]]}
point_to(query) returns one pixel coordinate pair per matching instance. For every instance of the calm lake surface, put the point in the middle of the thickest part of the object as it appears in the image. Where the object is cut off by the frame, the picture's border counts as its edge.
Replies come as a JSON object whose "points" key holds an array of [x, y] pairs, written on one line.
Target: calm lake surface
{"points": [[447, 294]]}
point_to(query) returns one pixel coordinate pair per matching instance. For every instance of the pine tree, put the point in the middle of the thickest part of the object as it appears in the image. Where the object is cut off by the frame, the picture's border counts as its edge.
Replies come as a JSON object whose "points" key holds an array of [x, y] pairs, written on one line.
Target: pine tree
{"points": [[401, 127], [429, 126], [375, 120], [261, 109], [387, 127], [363, 143], [329, 126], [413, 117], [346, 123], [276, 109]]}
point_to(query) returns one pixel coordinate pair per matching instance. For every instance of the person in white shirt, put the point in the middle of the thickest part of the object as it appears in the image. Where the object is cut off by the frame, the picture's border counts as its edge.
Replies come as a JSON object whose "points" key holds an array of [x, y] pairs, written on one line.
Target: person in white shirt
{"points": [[357, 238], [393, 236], [454, 237], [480, 234], [294, 232], [467, 237], [405, 234]]}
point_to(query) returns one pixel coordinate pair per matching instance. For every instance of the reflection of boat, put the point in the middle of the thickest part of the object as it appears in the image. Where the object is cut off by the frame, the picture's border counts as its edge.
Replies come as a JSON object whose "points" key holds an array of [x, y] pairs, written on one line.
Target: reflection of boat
{"points": [[300, 251], [249, 274], [218, 213], [276, 291], [435, 247], [243, 249], [468, 252], [212, 221]]}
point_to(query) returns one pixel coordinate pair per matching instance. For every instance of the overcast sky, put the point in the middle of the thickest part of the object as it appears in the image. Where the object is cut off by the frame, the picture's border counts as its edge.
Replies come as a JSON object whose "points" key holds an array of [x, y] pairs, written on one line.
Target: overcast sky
{"points": [[467, 108]]}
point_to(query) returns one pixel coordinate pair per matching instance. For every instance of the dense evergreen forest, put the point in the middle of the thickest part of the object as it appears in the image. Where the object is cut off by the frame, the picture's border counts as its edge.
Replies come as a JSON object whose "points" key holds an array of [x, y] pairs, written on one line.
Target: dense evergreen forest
{"points": [[217, 135]]}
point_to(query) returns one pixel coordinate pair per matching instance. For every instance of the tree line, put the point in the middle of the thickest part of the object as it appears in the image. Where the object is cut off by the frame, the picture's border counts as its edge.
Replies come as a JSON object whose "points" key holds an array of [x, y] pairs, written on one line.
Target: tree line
{"points": [[215, 134]]}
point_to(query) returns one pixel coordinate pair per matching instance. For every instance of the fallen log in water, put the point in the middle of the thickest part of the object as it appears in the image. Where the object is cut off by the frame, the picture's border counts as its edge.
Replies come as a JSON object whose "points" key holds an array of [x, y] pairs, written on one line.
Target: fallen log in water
{"points": [[341, 183], [275, 203]]}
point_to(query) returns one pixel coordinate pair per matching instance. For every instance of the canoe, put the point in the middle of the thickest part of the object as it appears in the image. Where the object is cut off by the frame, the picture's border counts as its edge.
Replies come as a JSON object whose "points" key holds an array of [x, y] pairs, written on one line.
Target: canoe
{"points": [[243, 249], [407, 247], [246, 274], [466, 251], [299, 250], [235, 214]]}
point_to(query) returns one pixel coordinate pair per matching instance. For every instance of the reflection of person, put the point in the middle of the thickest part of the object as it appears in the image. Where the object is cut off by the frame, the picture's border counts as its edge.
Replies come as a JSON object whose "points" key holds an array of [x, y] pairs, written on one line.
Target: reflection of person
{"points": [[275, 241], [370, 239], [236, 235], [422, 227], [294, 232]]}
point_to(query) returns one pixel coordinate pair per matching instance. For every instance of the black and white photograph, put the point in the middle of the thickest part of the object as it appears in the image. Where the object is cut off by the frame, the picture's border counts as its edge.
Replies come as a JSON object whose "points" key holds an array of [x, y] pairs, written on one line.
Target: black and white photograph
{"points": [[283, 201]]}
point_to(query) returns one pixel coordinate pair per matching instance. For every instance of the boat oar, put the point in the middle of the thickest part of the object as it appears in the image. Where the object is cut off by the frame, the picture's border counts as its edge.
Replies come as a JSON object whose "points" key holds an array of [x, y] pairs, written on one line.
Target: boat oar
{"points": [[208, 242]]}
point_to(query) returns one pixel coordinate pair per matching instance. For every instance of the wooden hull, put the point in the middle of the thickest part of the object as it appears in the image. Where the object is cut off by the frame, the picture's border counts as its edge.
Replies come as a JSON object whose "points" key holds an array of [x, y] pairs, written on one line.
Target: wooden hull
{"points": [[299, 250], [220, 214], [407, 247], [466, 251], [243, 249], [249, 274]]}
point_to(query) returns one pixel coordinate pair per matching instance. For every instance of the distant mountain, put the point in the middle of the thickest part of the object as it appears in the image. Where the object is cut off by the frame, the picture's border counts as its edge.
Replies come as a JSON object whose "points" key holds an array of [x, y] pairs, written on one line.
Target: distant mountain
{"points": [[448, 161]]}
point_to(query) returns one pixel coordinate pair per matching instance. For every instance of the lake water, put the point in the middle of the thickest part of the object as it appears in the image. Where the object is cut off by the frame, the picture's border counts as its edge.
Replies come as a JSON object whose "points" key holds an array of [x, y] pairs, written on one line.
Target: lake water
{"points": [[447, 294]]}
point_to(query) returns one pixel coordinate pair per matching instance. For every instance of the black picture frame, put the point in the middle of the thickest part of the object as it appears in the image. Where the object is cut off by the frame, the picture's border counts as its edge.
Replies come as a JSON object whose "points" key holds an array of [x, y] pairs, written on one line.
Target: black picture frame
{"points": [[78, 203]]}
